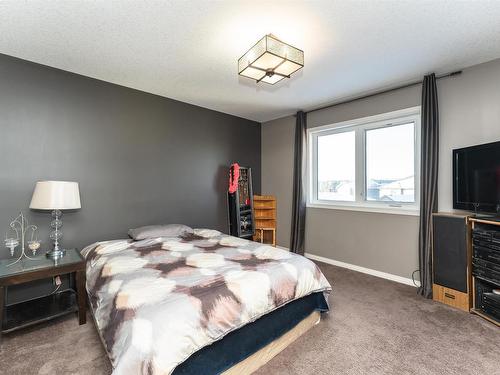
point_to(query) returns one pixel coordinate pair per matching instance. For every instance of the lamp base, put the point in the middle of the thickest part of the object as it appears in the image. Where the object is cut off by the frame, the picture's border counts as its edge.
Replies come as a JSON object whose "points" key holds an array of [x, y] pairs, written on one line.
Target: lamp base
{"points": [[55, 254]]}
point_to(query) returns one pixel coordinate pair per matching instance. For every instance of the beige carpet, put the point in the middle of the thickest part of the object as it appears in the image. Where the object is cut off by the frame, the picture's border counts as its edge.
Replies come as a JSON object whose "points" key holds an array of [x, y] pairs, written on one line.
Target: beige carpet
{"points": [[375, 327]]}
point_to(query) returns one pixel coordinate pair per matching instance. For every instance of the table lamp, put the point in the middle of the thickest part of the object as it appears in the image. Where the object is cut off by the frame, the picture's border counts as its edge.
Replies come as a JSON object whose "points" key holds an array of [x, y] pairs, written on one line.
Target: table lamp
{"points": [[56, 196]]}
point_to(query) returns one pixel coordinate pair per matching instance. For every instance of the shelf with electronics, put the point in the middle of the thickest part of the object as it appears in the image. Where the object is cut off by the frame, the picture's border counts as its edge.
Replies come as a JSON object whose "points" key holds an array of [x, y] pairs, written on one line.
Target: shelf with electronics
{"points": [[466, 247], [466, 263], [486, 269]]}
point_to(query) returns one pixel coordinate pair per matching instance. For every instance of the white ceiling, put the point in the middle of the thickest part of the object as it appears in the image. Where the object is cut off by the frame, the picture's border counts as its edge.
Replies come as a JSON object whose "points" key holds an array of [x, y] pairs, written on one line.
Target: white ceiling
{"points": [[187, 50]]}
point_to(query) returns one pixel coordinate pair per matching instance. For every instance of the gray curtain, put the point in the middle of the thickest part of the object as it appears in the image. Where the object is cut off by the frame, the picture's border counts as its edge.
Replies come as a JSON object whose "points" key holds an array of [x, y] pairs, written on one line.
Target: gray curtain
{"points": [[428, 180], [299, 199]]}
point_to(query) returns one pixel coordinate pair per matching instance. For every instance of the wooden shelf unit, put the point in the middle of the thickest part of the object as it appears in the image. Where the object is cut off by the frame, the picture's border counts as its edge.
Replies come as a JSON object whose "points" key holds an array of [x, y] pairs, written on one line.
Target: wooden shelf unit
{"points": [[483, 282], [467, 300], [265, 219]]}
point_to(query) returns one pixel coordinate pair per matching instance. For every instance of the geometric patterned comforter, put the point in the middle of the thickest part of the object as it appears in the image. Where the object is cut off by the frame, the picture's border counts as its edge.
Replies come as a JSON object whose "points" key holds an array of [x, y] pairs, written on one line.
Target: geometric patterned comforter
{"points": [[157, 301]]}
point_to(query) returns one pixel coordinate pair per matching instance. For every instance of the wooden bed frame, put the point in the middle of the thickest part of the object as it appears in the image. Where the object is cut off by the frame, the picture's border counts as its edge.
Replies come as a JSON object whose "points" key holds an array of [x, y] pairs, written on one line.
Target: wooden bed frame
{"points": [[268, 352]]}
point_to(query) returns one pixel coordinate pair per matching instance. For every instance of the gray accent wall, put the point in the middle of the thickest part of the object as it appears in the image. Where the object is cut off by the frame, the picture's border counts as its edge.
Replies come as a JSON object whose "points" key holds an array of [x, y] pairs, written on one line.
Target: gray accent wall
{"points": [[139, 158], [469, 114]]}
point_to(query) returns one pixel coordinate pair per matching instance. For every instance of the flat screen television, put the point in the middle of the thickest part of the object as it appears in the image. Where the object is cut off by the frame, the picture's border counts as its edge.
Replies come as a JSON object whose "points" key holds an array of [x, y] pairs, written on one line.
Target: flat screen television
{"points": [[476, 178]]}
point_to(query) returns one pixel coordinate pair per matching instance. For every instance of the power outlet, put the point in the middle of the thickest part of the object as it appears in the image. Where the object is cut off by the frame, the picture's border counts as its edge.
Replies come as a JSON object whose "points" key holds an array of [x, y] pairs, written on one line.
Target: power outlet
{"points": [[57, 280]]}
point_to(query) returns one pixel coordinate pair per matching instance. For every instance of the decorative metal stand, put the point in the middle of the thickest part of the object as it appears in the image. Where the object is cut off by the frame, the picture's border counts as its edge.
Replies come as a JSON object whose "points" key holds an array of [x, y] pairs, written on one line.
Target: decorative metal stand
{"points": [[21, 225]]}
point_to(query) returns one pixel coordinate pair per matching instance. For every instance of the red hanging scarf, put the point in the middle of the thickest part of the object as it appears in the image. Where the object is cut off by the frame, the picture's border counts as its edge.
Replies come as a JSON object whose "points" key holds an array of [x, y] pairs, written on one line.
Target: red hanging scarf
{"points": [[234, 176]]}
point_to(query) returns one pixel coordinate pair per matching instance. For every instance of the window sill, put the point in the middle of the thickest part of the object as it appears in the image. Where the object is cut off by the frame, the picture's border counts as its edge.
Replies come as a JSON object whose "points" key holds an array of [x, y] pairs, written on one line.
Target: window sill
{"points": [[406, 211]]}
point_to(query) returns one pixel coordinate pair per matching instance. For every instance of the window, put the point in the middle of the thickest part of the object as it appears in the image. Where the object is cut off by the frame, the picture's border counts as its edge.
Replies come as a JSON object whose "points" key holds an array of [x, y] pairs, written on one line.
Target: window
{"points": [[369, 164], [390, 163], [336, 166]]}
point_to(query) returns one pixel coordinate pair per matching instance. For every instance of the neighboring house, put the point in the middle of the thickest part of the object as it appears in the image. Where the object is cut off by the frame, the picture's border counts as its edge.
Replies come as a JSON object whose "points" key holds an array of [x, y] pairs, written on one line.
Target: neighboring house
{"points": [[399, 191]]}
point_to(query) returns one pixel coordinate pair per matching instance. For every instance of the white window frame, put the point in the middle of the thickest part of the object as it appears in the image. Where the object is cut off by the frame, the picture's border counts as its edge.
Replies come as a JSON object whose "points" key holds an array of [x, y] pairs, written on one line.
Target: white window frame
{"points": [[360, 126]]}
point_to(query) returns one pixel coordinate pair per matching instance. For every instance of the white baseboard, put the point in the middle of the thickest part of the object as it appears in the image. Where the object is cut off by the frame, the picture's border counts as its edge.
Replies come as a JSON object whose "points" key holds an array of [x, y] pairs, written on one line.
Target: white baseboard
{"points": [[383, 275]]}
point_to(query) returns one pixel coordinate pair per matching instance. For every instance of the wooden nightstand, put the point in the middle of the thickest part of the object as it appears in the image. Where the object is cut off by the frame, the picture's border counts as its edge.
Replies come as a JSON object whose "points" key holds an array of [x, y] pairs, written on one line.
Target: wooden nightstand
{"points": [[27, 313]]}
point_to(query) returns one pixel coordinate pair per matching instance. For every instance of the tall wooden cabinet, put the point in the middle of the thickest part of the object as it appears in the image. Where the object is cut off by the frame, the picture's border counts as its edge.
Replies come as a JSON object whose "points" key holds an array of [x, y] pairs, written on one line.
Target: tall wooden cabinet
{"points": [[265, 219]]}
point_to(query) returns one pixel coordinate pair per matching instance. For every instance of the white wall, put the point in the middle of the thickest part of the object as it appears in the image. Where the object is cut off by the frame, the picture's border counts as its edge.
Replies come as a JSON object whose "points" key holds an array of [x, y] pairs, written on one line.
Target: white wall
{"points": [[469, 114], [469, 111], [277, 172]]}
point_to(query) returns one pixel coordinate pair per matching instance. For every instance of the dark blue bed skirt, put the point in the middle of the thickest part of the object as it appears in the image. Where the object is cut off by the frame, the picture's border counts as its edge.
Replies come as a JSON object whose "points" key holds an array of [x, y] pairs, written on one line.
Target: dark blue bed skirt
{"points": [[239, 344]]}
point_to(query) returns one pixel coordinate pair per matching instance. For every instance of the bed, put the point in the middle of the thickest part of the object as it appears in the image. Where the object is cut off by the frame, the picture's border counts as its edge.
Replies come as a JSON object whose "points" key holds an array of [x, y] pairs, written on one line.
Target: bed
{"points": [[200, 302]]}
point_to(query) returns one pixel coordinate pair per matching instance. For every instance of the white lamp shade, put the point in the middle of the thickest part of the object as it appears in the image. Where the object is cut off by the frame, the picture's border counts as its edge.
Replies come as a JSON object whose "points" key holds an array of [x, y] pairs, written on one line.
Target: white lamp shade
{"points": [[56, 195]]}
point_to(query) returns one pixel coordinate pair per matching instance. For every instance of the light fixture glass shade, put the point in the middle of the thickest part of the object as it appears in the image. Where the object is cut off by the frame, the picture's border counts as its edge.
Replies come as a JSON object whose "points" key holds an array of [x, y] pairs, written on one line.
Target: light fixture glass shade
{"points": [[287, 68], [253, 73], [270, 60], [272, 79], [56, 195], [267, 61]]}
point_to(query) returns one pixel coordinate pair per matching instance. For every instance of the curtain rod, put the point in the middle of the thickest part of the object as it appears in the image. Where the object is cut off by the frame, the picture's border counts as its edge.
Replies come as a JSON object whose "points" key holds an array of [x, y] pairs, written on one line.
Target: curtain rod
{"points": [[452, 74]]}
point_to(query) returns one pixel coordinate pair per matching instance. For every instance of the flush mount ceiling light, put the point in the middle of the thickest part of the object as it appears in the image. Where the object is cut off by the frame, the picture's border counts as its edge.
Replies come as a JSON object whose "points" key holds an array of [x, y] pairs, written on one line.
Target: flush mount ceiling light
{"points": [[270, 60]]}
